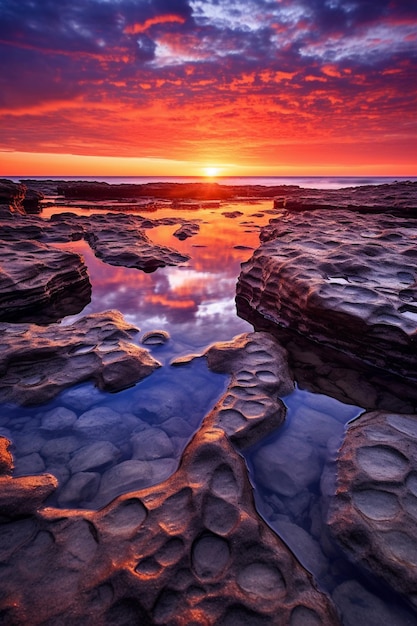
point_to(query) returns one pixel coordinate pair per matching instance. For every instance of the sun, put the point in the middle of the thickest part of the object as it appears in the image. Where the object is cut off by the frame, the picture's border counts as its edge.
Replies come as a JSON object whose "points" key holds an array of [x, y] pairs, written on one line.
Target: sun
{"points": [[211, 172]]}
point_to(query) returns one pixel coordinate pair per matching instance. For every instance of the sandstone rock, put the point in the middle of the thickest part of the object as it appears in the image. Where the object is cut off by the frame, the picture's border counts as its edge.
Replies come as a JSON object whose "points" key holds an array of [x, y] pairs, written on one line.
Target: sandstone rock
{"points": [[40, 283], [342, 279], [188, 229], [97, 347], [155, 337], [251, 406], [12, 195], [59, 418], [374, 512], [6, 458], [359, 607], [81, 487], [25, 495], [132, 249], [191, 549], [395, 198], [152, 443], [94, 456]]}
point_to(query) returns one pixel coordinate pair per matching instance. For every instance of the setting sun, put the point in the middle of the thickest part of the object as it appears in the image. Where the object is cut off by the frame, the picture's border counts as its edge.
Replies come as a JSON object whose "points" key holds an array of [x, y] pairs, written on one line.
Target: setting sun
{"points": [[211, 172]]}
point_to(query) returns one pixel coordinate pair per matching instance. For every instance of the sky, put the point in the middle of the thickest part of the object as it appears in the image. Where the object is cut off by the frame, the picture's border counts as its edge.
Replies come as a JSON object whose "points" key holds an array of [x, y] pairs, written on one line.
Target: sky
{"points": [[194, 87]]}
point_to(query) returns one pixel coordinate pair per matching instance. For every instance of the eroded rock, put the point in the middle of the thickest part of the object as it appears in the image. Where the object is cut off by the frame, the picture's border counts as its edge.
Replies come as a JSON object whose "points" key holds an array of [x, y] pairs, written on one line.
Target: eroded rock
{"points": [[189, 229], [37, 362], [190, 549], [161, 556], [251, 406], [374, 512], [39, 283], [342, 279]]}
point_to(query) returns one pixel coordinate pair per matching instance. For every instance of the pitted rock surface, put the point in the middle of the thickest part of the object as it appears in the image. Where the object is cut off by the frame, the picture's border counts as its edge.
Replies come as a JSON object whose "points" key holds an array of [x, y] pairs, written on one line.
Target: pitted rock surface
{"points": [[40, 283], [37, 362], [252, 405], [374, 512], [132, 248], [399, 198], [191, 550], [342, 279]]}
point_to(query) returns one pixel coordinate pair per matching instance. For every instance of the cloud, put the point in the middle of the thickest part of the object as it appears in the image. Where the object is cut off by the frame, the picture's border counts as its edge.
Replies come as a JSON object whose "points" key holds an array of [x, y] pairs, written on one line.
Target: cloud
{"points": [[184, 76]]}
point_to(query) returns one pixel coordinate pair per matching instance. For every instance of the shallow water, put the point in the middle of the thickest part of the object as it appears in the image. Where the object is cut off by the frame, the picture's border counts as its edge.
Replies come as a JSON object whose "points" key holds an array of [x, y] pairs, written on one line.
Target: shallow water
{"points": [[100, 445]]}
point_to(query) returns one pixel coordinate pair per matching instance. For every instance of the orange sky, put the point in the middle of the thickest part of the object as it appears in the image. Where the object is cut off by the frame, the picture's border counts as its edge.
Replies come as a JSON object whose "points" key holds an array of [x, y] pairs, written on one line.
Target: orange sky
{"points": [[171, 87]]}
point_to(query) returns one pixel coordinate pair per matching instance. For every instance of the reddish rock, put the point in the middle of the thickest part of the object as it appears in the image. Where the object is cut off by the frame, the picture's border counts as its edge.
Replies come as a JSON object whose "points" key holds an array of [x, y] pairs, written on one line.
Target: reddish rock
{"points": [[189, 550], [24, 495]]}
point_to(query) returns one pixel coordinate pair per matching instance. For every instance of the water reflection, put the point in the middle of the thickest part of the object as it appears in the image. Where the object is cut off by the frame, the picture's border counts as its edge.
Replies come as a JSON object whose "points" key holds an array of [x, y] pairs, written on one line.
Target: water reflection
{"points": [[100, 445]]}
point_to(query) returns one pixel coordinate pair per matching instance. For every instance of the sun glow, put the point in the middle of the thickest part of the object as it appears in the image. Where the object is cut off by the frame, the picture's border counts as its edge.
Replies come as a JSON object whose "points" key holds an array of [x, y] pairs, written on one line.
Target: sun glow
{"points": [[211, 172]]}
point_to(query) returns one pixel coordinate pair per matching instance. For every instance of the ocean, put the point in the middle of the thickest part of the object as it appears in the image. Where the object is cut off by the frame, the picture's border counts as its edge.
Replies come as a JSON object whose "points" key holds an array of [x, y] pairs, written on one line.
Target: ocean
{"points": [[308, 182]]}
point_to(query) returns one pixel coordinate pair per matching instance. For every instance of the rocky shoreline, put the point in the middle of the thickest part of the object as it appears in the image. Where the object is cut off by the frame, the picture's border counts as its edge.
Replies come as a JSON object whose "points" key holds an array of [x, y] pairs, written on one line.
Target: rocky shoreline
{"points": [[193, 549]]}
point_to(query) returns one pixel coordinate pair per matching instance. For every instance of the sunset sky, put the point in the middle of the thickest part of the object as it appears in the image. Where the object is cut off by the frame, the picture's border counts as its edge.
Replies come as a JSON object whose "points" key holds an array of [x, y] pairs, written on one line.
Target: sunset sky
{"points": [[173, 87]]}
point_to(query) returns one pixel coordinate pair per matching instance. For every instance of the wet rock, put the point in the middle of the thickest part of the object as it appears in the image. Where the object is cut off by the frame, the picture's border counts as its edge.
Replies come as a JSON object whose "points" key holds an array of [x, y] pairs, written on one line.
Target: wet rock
{"points": [[131, 248], [41, 284], [232, 214], [342, 279], [29, 464], [374, 512], [251, 406], [24, 495], [12, 195], [97, 347], [155, 337], [94, 456], [190, 548], [289, 467], [59, 450], [124, 477], [359, 607], [59, 418], [6, 458], [187, 230], [394, 198], [81, 487], [98, 421], [152, 443]]}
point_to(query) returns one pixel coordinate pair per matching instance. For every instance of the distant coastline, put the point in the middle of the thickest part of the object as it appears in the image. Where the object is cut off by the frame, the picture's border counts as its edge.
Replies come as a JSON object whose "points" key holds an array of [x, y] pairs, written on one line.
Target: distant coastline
{"points": [[308, 182]]}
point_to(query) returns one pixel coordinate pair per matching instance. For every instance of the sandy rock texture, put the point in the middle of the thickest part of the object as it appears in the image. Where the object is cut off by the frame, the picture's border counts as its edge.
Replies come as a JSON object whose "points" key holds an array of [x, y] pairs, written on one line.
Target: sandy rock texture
{"points": [[251, 407], [40, 283], [343, 279], [191, 550], [38, 362], [374, 512], [395, 198]]}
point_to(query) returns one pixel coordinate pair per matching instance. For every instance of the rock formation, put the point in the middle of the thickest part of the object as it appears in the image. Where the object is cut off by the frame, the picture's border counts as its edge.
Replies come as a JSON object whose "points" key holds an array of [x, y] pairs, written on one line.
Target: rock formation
{"points": [[132, 248], [18, 198], [37, 362], [398, 198], [374, 512], [40, 283], [189, 550], [340, 279]]}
